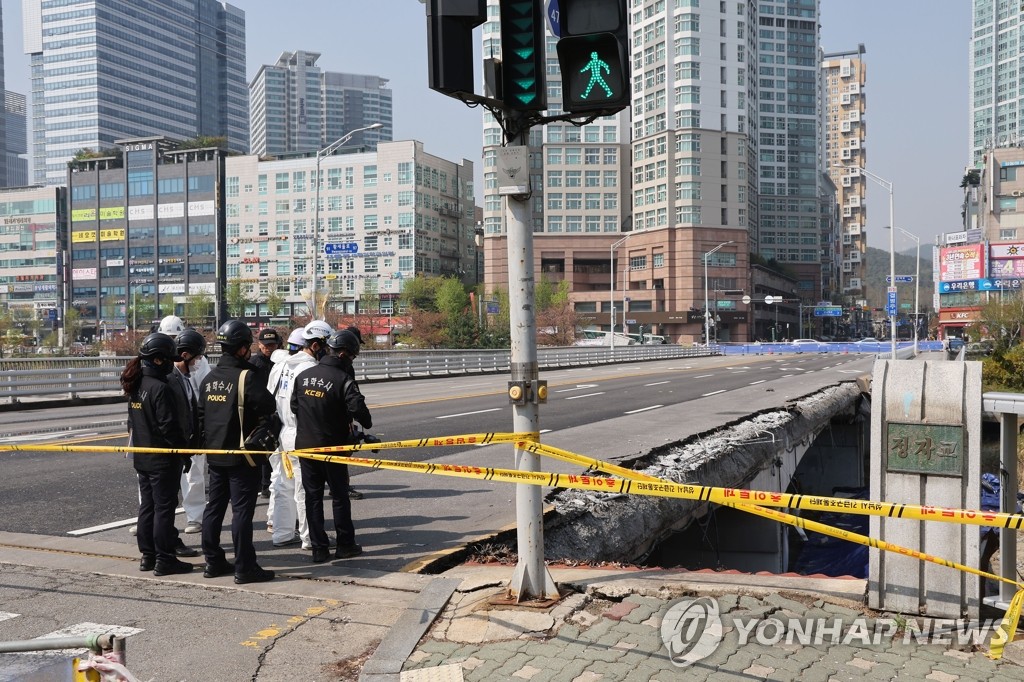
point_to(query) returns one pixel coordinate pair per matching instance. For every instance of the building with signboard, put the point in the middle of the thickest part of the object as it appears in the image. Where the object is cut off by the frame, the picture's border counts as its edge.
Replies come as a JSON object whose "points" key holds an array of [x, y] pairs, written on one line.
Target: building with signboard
{"points": [[32, 242], [384, 217], [104, 71], [146, 235], [296, 107]]}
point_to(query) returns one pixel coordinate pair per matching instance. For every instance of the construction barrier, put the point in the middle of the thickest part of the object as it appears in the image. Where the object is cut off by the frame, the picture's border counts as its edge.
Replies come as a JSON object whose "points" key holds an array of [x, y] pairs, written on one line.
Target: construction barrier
{"points": [[627, 481]]}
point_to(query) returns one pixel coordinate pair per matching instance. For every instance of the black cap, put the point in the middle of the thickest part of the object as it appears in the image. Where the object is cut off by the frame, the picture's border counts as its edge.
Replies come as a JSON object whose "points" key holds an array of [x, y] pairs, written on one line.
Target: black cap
{"points": [[269, 335], [358, 334]]}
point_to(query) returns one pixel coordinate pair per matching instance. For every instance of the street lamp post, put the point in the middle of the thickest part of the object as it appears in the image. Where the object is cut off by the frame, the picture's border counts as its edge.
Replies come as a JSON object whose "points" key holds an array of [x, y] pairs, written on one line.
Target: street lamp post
{"points": [[917, 282], [886, 185], [611, 270], [707, 311], [326, 151]]}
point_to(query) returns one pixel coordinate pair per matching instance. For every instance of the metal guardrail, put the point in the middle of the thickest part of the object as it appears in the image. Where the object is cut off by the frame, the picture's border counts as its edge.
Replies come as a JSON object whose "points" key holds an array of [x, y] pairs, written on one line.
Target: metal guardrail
{"points": [[22, 378]]}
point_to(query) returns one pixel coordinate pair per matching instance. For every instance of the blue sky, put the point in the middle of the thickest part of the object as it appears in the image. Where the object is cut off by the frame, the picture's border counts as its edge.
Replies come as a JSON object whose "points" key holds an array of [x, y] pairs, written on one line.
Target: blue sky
{"points": [[917, 86]]}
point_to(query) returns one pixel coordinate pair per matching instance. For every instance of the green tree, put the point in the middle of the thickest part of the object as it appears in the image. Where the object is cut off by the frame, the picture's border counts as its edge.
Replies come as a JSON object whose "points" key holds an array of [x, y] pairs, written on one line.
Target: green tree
{"points": [[237, 298], [420, 293], [198, 308], [274, 301], [72, 325]]}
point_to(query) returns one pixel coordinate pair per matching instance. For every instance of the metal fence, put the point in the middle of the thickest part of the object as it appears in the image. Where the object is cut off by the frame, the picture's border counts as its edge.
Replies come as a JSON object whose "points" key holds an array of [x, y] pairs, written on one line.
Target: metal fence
{"points": [[57, 378]]}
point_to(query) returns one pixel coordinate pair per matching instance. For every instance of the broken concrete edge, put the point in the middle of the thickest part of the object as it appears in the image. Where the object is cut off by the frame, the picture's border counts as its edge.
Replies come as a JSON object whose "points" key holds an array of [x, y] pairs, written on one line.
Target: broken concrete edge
{"points": [[401, 640], [591, 528]]}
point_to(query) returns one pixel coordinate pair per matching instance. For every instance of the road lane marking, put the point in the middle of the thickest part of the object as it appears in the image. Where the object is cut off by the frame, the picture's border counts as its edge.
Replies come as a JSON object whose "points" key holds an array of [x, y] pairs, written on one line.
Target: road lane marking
{"points": [[585, 395], [644, 409], [113, 524], [466, 414], [742, 371], [704, 376], [758, 382], [656, 383], [713, 393], [785, 375], [577, 387]]}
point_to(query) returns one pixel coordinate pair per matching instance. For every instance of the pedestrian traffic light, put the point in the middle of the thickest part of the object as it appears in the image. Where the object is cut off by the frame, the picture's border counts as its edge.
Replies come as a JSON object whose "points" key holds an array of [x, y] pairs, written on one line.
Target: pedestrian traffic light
{"points": [[522, 55], [593, 55], [450, 25]]}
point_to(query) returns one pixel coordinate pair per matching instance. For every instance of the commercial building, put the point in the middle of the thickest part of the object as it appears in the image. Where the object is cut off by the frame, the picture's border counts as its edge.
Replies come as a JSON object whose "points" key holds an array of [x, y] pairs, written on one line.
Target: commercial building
{"points": [[384, 217], [32, 243], [146, 236], [15, 159], [297, 107], [107, 70]]}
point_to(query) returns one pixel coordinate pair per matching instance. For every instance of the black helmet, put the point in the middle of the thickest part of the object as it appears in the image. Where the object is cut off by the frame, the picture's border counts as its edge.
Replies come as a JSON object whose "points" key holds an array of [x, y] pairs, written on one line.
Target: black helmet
{"points": [[345, 340], [234, 334], [158, 345], [192, 341]]}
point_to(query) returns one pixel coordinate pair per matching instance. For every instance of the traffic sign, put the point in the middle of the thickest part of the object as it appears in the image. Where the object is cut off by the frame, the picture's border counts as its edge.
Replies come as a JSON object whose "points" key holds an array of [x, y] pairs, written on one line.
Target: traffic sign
{"points": [[828, 311], [630, 321], [746, 299], [900, 279], [339, 248], [769, 299]]}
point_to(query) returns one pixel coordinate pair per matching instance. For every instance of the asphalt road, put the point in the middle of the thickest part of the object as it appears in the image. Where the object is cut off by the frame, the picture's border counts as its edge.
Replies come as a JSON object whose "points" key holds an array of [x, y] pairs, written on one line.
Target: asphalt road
{"points": [[305, 624], [54, 493]]}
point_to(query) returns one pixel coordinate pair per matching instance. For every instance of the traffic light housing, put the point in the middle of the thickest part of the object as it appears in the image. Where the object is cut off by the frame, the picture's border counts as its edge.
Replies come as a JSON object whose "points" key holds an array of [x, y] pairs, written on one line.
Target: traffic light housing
{"points": [[522, 55], [593, 55], [450, 25]]}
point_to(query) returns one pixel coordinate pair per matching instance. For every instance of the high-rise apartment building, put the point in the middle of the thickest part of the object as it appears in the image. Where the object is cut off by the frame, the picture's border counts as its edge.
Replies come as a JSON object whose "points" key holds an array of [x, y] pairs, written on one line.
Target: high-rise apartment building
{"points": [[104, 70], [996, 96], [844, 105], [15, 159], [789, 129], [297, 107], [4, 180]]}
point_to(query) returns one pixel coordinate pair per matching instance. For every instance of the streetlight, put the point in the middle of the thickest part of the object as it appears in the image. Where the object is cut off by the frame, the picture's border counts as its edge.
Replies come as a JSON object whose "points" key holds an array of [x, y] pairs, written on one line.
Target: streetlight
{"points": [[611, 270], [707, 311], [917, 279], [886, 185], [326, 151]]}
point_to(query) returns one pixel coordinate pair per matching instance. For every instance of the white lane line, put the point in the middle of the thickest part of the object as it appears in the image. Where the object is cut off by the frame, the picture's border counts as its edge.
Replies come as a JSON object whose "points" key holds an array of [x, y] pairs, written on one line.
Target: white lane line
{"points": [[576, 388], [465, 414], [786, 375], [7, 616], [656, 383], [544, 431], [713, 393], [742, 371], [585, 395], [758, 382], [704, 376], [113, 524], [644, 409]]}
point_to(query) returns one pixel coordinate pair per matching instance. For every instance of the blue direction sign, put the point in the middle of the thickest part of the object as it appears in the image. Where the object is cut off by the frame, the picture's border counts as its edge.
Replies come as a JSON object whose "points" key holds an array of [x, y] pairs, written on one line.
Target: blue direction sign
{"points": [[900, 279], [890, 306], [340, 248], [554, 18], [828, 311]]}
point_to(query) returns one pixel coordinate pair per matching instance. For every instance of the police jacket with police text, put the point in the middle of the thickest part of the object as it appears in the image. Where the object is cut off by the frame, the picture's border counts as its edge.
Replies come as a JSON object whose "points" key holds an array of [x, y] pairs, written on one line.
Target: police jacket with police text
{"points": [[155, 421], [218, 409], [325, 401]]}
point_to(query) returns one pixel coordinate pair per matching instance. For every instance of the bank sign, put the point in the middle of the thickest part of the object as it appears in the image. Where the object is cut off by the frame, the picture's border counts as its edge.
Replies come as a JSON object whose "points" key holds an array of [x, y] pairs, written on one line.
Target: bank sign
{"points": [[982, 284]]}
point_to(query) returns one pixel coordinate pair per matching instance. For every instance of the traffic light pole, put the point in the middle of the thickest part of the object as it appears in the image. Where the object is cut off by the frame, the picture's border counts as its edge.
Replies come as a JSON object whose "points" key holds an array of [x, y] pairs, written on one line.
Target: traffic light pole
{"points": [[531, 579]]}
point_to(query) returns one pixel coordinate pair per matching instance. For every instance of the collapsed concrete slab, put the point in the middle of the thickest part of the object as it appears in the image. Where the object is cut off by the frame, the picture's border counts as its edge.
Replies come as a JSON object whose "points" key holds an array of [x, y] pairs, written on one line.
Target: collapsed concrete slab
{"points": [[599, 527]]}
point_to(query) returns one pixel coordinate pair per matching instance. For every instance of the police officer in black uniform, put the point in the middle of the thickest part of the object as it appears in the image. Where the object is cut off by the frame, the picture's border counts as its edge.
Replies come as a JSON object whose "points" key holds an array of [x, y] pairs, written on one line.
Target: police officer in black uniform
{"points": [[325, 401], [232, 477], [157, 418]]}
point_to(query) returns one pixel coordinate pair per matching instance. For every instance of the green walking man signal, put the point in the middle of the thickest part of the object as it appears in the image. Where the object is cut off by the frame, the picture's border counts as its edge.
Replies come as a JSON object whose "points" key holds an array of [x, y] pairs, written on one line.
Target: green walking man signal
{"points": [[595, 66], [593, 55]]}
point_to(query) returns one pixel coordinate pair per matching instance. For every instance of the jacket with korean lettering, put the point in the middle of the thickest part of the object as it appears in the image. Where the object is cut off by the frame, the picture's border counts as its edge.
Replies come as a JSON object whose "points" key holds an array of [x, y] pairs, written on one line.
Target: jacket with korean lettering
{"points": [[218, 409], [155, 421], [325, 401]]}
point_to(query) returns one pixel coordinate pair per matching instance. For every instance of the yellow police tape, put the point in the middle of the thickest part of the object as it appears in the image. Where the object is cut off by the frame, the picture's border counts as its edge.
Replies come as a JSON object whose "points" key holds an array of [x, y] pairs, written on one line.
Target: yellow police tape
{"points": [[636, 482]]}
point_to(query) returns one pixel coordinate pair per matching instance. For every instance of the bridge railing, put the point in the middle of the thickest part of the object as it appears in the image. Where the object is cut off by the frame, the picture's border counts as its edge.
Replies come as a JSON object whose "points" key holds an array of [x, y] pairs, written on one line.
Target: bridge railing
{"points": [[24, 378], [883, 349]]}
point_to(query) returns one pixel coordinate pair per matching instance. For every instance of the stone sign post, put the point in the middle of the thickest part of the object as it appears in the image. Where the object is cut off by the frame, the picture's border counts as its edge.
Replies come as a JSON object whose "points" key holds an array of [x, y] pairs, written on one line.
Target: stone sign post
{"points": [[925, 450]]}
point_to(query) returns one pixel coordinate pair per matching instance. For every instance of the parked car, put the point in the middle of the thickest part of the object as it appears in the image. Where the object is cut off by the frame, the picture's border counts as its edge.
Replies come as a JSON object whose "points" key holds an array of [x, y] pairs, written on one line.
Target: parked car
{"points": [[869, 339], [804, 344], [978, 350]]}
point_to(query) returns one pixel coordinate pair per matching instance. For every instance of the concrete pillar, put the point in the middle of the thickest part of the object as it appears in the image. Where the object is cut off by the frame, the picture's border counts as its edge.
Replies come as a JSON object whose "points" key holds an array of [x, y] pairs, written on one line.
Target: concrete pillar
{"points": [[925, 450]]}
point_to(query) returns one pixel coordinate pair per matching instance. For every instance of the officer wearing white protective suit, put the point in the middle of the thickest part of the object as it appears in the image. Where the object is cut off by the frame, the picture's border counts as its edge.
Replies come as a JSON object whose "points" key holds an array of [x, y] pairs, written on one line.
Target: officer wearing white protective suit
{"points": [[287, 494], [291, 347], [193, 482]]}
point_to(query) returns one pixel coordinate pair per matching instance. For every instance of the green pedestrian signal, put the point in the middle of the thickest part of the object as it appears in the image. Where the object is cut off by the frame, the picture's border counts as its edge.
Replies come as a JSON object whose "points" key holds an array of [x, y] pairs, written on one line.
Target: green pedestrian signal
{"points": [[593, 55], [522, 55]]}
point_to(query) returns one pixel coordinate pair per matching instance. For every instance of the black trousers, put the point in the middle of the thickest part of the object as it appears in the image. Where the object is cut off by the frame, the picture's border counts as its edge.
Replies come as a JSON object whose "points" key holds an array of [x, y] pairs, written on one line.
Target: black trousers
{"points": [[155, 532], [239, 485], [314, 475]]}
